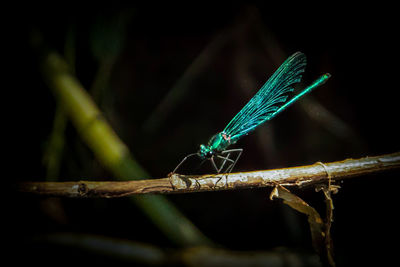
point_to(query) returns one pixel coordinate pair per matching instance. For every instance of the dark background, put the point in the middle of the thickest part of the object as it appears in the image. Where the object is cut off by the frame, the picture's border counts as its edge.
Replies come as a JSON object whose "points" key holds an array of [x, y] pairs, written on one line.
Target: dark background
{"points": [[240, 45]]}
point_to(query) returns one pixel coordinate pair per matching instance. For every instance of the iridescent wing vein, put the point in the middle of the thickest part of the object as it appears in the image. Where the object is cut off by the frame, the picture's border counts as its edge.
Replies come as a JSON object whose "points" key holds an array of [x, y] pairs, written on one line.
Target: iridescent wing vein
{"points": [[272, 95]]}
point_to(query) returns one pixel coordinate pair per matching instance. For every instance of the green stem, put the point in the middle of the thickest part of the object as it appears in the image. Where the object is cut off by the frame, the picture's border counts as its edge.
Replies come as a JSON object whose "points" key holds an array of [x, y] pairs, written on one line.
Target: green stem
{"points": [[112, 152], [55, 147]]}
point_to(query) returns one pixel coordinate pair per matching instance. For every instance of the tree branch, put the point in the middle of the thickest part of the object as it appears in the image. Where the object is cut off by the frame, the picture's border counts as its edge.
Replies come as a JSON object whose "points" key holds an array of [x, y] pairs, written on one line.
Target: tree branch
{"points": [[289, 177]]}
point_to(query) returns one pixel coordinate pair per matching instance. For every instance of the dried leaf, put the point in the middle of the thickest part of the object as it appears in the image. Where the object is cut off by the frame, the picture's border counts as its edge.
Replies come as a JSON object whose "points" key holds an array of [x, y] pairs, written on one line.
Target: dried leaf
{"points": [[328, 222], [319, 231]]}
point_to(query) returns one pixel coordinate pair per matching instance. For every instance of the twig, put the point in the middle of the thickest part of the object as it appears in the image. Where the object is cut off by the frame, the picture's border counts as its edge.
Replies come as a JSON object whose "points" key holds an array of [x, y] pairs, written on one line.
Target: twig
{"points": [[289, 177]]}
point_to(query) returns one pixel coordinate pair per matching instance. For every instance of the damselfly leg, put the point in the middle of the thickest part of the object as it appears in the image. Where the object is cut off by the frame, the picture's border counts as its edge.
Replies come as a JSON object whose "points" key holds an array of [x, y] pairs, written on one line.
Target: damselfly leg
{"points": [[230, 165], [225, 159], [214, 165], [227, 162], [229, 151], [182, 161]]}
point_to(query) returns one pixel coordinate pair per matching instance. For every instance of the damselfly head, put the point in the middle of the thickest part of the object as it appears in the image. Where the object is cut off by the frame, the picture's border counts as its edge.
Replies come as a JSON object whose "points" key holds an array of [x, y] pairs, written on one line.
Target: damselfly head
{"points": [[205, 152]]}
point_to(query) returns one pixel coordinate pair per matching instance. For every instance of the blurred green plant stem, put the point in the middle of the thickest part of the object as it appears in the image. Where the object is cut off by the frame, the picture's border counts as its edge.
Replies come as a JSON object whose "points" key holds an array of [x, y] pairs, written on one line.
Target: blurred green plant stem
{"points": [[111, 151]]}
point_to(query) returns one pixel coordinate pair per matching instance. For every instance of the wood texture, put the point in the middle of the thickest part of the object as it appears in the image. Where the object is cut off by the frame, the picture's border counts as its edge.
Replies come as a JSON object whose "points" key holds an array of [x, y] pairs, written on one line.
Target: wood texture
{"points": [[289, 177]]}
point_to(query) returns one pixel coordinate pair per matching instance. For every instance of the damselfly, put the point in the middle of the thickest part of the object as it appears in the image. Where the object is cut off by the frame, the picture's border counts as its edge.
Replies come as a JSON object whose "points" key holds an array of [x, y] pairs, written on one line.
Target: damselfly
{"points": [[269, 101]]}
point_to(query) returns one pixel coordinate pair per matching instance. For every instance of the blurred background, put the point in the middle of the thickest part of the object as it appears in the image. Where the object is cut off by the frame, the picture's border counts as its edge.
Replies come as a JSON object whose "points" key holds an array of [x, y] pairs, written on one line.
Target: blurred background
{"points": [[166, 80]]}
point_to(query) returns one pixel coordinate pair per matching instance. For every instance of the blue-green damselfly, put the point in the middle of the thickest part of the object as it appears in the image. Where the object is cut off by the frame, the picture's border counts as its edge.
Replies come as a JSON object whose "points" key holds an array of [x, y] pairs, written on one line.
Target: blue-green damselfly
{"points": [[268, 102]]}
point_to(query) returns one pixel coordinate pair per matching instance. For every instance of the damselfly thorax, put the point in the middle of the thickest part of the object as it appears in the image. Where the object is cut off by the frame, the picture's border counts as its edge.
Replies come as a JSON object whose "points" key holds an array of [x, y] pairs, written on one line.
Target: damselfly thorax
{"points": [[218, 143], [217, 149]]}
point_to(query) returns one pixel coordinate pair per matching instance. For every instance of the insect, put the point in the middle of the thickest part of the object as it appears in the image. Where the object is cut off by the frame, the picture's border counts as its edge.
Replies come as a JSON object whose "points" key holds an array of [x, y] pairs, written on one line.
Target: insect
{"points": [[268, 102]]}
